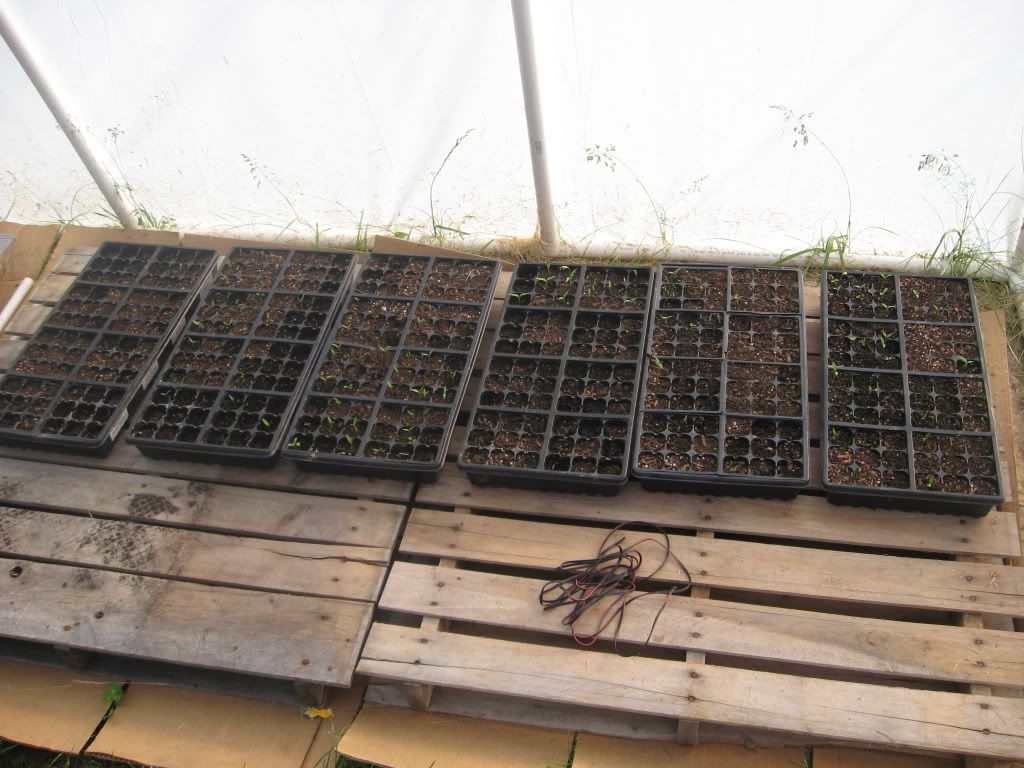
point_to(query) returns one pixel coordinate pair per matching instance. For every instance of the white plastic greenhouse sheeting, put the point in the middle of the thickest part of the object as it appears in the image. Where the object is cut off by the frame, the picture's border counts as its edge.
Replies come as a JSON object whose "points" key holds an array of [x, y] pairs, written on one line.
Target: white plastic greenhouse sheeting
{"points": [[344, 109]]}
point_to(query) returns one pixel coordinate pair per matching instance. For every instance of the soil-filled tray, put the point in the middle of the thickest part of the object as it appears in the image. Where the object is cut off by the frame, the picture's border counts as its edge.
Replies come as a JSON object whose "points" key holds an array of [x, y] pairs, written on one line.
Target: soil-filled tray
{"points": [[79, 377], [385, 392], [724, 398], [907, 418], [229, 386], [555, 409]]}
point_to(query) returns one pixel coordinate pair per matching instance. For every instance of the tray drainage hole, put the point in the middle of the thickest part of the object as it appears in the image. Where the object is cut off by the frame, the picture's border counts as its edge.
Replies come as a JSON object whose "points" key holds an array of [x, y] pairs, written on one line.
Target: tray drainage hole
{"points": [[16, 571]]}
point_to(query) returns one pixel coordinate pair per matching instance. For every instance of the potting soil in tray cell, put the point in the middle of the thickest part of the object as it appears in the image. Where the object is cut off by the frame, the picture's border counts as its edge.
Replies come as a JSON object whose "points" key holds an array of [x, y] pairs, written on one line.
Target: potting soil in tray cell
{"points": [[918, 369], [250, 347], [566, 366], [385, 393], [724, 403], [110, 328]]}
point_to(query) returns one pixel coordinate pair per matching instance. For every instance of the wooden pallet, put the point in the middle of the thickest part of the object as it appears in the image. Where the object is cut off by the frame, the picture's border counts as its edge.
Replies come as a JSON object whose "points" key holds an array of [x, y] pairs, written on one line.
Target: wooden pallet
{"points": [[182, 570], [809, 623]]}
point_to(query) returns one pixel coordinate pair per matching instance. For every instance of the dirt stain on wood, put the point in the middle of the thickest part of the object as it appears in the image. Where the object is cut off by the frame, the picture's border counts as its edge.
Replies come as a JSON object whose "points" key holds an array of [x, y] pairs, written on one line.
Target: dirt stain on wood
{"points": [[149, 505]]}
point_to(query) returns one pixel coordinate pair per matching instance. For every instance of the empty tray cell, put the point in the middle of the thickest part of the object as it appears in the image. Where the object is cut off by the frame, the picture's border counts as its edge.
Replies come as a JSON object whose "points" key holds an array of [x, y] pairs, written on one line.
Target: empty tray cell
{"points": [[332, 426], [444, 326], [386, 275], [693, 288], [251, 268], [872, 458], [937, 299], [244, 420], [118, 264], [600, 388], [147, 312], [679, 442], [765, 290], [764, 338], [514, 382], [959, 464], [271, 366], [432, 377], [24, 401], [294, 316], [950, 403], [459, 280], [687, 334], [587, 445], [176, 413], [615, 288], [116, 359], [862, 294], [83, 410], [375, 322], [86, 306], [942, 348], [54, 352], [606, 336], [764, 390], [545, 285], [683, 385], [503, 439], [863, 344], [533, 332], [228, 313], [315, 272], [352, 370], [763, 448], [199, 360], [866, 397]]}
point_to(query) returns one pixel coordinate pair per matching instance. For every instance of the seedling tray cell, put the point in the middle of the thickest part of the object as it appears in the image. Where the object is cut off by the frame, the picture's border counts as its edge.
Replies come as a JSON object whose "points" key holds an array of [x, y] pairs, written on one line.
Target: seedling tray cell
{"points": [[80, 376], [724, 400], [908, 420], [386, 389], [555, 411], [229, 386]]}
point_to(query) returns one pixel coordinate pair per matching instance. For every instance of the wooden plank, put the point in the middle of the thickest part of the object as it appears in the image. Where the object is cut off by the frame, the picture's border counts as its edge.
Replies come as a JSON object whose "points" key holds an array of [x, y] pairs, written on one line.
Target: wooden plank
{"points": [[993, 330], [704, 625], [9, 351], [291, 637], [901, 717], [324, 570], [806, 517], [74, 260], [284, 475], [27, 319], [604, 752], [755, 567], [201, 506], [52, 289]]}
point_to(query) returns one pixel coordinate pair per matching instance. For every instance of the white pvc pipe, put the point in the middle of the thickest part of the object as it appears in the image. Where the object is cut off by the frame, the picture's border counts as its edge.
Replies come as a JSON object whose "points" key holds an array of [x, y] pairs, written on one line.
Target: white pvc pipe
{"points": [[534, 123], [22, 51], [15, 301]]}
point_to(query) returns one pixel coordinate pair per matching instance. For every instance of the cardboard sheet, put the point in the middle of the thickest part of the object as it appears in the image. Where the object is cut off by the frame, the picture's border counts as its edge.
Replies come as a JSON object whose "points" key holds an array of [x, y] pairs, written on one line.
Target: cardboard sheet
{"points": [[405, 738], [174, 728], [344, 704], [27, 256], [55, 709], [605, 752]]}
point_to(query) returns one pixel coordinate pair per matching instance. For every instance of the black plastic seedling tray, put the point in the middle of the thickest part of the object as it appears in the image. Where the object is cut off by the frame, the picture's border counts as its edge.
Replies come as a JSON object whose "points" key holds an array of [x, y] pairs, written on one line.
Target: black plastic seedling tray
{"points": [[907, 418], [555, 408], [230, 385], [386, 391], [78, 379], [724, 401]]}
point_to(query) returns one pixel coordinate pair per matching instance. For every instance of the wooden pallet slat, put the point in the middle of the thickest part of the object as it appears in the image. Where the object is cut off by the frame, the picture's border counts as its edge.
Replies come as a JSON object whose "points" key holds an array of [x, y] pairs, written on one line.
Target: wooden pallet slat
{"points": [[707, 625], [771, 568], [982, 725]]}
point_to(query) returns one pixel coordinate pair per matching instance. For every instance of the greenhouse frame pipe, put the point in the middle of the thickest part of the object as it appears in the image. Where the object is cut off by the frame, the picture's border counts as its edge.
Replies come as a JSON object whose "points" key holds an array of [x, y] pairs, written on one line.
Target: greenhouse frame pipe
{"points": [[22, 51], [522, 20]]}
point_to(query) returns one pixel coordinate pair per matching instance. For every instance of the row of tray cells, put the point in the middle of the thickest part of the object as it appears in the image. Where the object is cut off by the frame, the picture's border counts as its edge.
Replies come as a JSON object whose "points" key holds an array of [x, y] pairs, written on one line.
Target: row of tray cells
{"points": [[874, 296], [750, 290], [929, 348]]}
